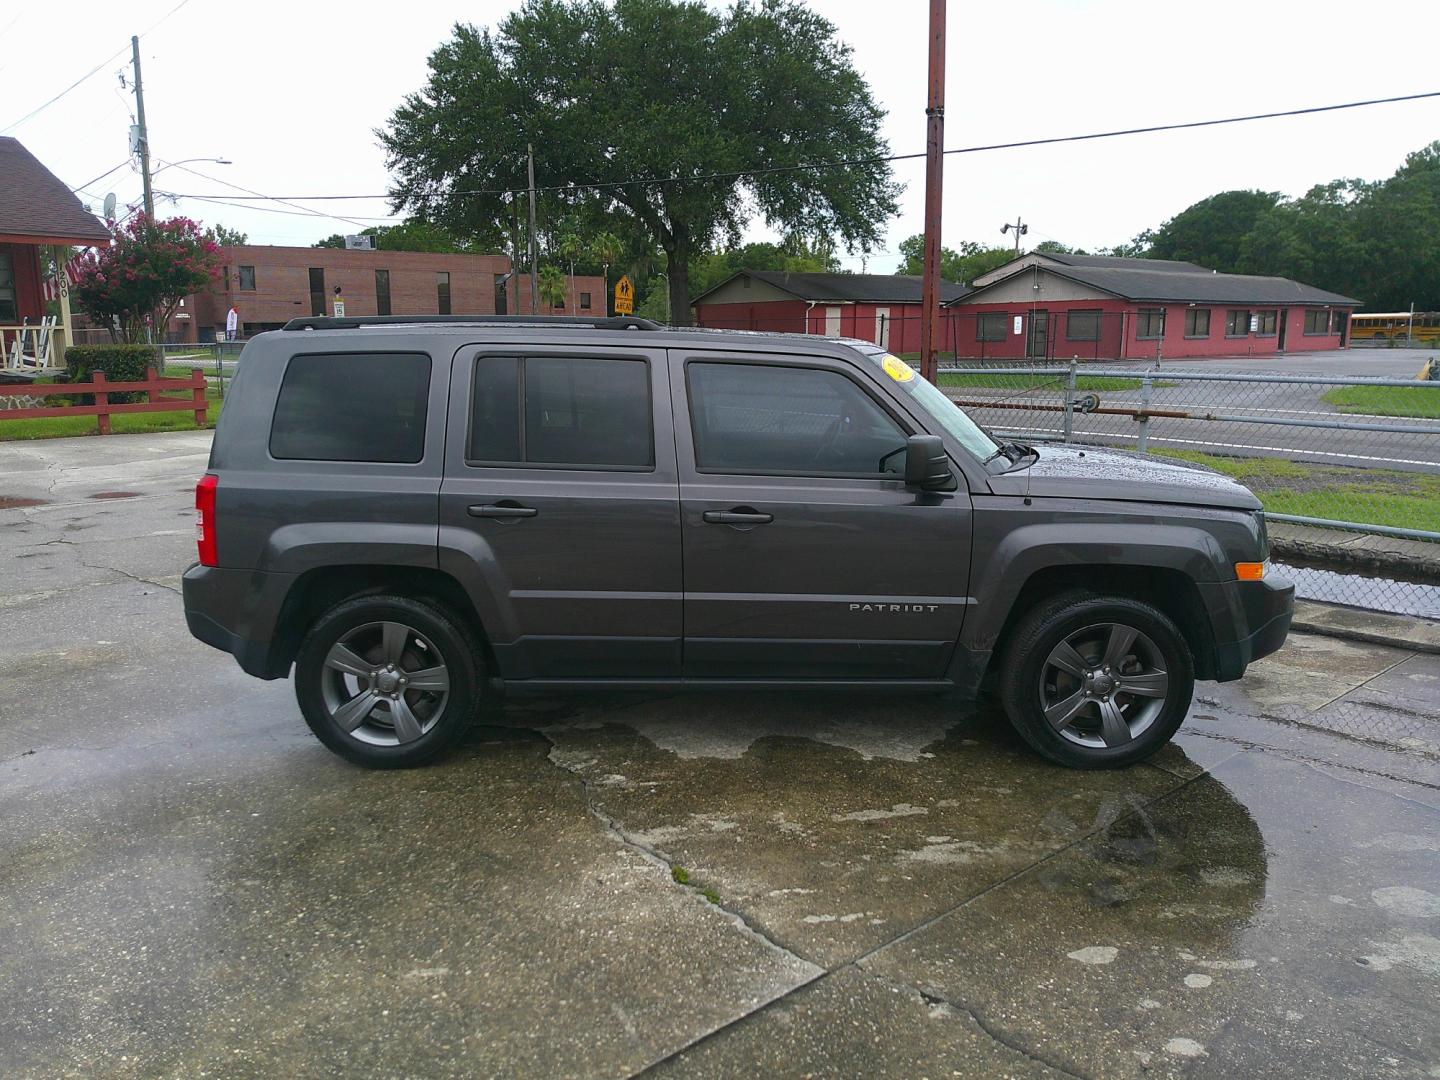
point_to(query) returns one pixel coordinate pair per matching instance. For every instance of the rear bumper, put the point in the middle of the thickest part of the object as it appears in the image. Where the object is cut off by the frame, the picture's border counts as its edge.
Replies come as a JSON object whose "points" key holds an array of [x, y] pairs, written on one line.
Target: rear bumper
{"points": [[236, 611], [1265, 609]]}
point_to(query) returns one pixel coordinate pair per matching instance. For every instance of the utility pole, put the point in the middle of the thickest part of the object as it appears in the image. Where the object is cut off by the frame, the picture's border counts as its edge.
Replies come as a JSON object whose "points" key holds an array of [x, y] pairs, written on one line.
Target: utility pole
{"points": [[144, 135], [534, 247], [1020, 230], [934, 169]]}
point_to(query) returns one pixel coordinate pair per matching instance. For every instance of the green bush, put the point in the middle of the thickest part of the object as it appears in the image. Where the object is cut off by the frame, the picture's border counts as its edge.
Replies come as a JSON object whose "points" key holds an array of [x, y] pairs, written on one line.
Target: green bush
{"points": [[120, 363]]}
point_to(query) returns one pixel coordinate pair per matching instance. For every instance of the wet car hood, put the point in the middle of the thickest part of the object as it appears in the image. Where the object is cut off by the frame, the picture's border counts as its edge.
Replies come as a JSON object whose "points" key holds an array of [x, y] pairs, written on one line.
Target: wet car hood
{"points": [[1074, 472]]}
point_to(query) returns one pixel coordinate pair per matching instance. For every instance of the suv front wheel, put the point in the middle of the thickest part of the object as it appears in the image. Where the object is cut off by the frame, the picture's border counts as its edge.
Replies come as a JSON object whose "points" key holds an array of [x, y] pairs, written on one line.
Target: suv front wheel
{"points": [[1096, 682], [386, 681]]}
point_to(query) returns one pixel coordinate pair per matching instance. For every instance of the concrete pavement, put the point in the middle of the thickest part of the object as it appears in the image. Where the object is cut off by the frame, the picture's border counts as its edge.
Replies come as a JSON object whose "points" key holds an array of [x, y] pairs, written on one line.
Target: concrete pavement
{"points": [[190, 885]]}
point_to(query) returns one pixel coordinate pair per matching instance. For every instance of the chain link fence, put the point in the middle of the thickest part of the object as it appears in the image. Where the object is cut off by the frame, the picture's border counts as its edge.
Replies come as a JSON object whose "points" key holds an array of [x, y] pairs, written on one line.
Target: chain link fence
{"points": [[1348, 468]]}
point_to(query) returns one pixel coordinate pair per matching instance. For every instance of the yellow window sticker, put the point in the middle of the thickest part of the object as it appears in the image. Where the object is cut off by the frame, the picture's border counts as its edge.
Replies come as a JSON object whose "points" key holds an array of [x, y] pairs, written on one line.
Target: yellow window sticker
{"points": [[897, 369]]}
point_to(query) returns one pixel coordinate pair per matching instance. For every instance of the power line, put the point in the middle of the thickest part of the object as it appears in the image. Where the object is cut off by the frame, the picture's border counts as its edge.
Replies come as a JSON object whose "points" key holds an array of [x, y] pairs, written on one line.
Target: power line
{"points": [[89, 74], [102, 176], [875, 159], [252, 191], [224, 200]]}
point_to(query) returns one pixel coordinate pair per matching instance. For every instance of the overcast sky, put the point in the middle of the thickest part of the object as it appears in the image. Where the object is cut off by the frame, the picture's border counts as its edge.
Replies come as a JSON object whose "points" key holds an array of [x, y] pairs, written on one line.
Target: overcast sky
{"points": [[291, 92]]}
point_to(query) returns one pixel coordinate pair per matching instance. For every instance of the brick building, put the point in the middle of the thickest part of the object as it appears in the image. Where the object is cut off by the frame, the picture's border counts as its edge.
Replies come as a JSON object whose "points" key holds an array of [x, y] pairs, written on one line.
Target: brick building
{"points": [[269, 286], [883, 308], [1043, 305]]}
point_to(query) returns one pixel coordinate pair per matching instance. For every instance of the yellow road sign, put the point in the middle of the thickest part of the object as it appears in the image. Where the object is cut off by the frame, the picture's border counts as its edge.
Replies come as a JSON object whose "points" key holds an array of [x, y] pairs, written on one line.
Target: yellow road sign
{"points": [[624, 296]]}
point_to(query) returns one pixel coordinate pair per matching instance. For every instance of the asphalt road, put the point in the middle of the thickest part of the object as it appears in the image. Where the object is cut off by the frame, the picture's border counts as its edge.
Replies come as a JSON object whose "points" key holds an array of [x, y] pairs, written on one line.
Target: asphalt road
{"points": [[730, 886], [1039, 412]]}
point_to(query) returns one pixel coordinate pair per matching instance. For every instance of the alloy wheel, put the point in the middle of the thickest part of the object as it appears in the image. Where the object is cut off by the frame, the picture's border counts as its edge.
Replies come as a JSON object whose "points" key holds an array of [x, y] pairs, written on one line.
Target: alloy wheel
{"points": [[385, 683], [1104, 685]]}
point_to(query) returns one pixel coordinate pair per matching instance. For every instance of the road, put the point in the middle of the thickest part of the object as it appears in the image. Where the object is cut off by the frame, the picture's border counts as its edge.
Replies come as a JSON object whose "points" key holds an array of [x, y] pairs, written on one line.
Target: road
{"points": [[720, 885], [1038, 411]]}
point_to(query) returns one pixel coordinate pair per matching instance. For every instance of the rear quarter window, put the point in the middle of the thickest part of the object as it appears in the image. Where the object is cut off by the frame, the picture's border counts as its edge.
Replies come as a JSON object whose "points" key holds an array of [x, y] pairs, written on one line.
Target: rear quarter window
{"points": [[352, 407]]}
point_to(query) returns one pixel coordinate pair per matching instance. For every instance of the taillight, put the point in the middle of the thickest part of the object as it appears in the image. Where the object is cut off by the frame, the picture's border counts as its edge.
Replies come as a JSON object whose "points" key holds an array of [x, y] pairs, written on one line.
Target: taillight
{"points": [[205, 518]]}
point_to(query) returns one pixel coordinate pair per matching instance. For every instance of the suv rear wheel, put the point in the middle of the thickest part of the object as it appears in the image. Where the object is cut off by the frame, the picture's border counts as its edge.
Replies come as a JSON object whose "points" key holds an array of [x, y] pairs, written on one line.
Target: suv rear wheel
{"points": [[386, 681], [1096, 682]]}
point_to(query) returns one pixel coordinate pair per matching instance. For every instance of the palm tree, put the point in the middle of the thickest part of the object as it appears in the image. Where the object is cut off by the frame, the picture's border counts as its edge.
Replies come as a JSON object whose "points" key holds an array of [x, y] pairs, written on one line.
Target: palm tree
{"points": [[570, 248], [552, 286], [606, 247]]}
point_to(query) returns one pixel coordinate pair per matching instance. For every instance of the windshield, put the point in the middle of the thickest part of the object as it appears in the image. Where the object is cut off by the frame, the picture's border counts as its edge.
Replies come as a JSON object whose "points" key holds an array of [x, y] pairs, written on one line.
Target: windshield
{"points": [[932, 402]]}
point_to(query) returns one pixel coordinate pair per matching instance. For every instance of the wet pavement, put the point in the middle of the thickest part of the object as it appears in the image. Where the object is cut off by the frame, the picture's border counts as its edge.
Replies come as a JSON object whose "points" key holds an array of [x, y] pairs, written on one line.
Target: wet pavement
{"points": [[724, 885]]}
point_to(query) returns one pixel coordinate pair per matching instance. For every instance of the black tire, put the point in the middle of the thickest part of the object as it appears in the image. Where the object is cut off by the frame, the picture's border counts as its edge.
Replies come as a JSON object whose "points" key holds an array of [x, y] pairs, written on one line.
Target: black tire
{"points": [[1087, 622], [430, 720]]}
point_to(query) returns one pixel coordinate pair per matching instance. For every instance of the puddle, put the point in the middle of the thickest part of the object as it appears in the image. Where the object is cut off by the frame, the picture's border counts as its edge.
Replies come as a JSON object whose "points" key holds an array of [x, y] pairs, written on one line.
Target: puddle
{"points": [[116, 495], [14, 502]]}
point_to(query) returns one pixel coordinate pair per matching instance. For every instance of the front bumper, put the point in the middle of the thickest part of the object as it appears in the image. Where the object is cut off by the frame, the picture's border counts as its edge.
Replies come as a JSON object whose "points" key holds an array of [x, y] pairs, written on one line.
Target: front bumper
{"points": [[1266, 608]]}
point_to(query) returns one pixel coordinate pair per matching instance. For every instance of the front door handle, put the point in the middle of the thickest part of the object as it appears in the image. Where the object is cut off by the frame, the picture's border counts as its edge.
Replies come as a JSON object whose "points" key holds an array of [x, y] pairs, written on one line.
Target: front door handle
{"points": [[737, 517], [502, 510]]}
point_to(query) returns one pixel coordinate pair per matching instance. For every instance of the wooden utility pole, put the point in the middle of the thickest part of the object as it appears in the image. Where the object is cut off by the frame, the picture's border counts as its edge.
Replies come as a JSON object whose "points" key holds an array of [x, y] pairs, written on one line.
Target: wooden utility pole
{"points": [[534, 244], [144, 132], [934, 168], [1020, 230]]}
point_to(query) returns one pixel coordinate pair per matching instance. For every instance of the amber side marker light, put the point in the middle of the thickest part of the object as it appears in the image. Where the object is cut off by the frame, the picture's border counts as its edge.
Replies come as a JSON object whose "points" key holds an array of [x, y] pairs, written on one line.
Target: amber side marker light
{"points": [[1249, 571]]}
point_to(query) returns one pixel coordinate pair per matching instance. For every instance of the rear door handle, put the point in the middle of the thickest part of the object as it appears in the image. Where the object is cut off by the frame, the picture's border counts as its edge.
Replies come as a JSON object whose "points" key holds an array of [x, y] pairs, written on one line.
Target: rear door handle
{"points": [[502, 510], [737, 517]]}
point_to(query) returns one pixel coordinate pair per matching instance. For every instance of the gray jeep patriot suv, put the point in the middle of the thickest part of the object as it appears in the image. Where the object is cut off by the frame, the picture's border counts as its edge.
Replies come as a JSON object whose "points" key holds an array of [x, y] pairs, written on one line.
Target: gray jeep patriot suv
{"points": [[418, 513]]}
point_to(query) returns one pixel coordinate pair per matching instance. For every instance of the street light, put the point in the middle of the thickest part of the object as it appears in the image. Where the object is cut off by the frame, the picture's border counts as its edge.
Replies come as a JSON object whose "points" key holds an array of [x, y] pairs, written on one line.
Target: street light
{"points": [[189, 161]]}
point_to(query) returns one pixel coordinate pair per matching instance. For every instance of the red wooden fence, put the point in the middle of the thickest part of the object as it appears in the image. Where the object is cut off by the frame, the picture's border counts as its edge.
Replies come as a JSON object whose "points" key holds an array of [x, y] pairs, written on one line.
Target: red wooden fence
{"points": [[152, 387]]}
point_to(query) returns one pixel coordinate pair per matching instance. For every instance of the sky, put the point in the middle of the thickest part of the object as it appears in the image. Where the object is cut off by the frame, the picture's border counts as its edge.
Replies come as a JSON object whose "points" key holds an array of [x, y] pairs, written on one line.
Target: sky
{"points": [[290, 94]]}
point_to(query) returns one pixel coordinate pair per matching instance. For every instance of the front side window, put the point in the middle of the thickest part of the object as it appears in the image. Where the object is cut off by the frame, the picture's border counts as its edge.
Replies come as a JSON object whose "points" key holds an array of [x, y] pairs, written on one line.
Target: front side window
{"points": [[1237, 322], [1197, 322], [587, 412], [352, 407], [1267, 322], [1083, 325], [1150, 323], [756, 418], [990, 326], [247, 279], [9, 307]]}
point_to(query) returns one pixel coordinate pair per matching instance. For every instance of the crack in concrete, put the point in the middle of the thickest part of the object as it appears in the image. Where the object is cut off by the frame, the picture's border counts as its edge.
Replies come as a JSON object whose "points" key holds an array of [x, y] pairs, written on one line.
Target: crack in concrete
{"points": [[934, 997], [107, 569], [660, 859]]}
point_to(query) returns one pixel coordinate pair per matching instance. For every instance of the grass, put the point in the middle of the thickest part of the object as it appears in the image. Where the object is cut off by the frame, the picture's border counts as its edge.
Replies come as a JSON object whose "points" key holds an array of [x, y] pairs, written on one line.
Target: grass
{"points": [[1417, 401], [1002, 381], [1401, 500], [60, 427]]}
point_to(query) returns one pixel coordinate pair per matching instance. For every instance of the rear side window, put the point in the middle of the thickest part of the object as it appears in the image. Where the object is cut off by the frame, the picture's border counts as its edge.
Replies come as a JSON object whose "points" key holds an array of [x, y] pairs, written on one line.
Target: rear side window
{"points": [[352, 407], [749, 418], [589, 412]]}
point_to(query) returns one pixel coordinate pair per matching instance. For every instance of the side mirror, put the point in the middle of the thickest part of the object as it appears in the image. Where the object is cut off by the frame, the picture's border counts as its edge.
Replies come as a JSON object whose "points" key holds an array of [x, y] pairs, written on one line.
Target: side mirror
{"points": [[927, 466]]}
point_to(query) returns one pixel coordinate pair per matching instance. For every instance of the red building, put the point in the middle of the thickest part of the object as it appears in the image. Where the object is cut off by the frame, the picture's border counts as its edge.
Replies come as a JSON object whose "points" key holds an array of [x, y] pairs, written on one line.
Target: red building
{"points": [[269, 286], [1060, 307], [883, 308], [37, 211]]}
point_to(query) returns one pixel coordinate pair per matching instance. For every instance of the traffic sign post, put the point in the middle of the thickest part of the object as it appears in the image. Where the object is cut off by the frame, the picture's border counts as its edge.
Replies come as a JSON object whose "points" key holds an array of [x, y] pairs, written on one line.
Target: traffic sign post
{"points": [[624, 296]]}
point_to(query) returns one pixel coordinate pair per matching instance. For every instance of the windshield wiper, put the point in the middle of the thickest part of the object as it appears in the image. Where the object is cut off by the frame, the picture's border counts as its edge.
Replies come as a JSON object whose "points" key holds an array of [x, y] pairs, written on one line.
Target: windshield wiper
{"points": [[1013, 452]]}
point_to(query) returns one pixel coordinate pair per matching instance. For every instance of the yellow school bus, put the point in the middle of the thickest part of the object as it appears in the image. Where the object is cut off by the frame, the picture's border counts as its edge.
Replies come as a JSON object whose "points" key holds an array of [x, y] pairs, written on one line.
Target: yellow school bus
{"points": [[1396, 326]]}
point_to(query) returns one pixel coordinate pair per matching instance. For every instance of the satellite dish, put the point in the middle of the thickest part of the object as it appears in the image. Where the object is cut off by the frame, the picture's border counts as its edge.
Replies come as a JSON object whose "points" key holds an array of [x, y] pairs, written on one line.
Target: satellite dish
{"points": [[110, 207]]}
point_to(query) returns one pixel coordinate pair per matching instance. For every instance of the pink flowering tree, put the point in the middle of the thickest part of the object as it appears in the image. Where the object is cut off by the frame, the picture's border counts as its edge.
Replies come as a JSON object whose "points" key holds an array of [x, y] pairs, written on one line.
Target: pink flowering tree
{"points": [[138, 282]]}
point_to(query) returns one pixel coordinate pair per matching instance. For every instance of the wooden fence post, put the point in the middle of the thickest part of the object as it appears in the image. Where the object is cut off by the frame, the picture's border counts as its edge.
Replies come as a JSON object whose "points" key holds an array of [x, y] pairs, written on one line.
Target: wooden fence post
{"points": [[102, 398], [197, 392], [152, 394]]}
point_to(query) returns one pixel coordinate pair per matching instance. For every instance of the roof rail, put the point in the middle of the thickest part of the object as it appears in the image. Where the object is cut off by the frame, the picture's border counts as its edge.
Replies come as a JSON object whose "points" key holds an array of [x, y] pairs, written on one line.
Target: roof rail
{"points": [[617, 322]]}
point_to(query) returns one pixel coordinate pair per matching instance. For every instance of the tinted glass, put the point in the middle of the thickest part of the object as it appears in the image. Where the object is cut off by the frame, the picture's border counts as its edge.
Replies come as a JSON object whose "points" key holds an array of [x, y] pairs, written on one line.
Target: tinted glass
{"points": [[584, 411], [382, 292], [495, 410], [247, 278], [1082, 325], [352, 407], [751, 418]]}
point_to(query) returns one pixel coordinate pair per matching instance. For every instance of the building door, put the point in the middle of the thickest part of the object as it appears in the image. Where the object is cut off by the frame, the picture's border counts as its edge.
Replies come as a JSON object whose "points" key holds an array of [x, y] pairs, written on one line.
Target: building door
{"points": [[832, 322], [317, 291], [1284, 320], [1037, 343], [882, 327]]}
